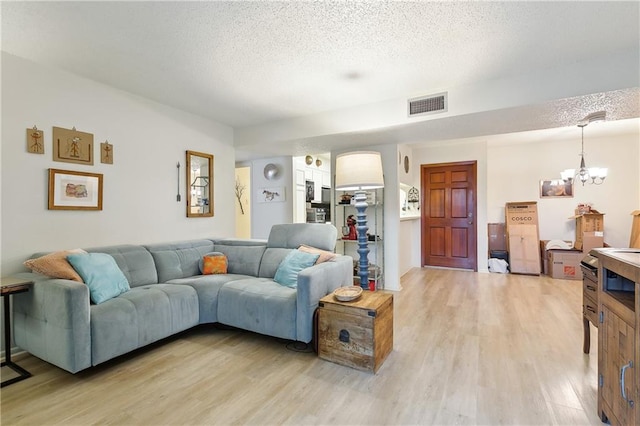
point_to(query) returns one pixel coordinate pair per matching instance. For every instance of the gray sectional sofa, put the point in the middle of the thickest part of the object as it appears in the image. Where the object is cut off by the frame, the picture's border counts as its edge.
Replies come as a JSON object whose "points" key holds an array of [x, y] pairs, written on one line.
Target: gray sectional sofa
{"points": [[57, 323]]}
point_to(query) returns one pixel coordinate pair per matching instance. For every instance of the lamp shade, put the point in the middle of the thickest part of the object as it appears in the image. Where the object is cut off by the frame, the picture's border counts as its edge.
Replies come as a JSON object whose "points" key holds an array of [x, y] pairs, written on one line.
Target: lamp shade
{"points": [[359, 170]]}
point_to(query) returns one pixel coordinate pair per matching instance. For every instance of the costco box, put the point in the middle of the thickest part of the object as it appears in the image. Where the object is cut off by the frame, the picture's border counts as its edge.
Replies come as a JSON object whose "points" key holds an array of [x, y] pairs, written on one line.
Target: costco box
{"points": [[565, 264], [521, 213], [635, 230]]}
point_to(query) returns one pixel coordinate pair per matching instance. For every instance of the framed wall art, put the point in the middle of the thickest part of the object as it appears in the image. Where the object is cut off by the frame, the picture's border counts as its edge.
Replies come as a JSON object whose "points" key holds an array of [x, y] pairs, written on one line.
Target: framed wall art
{"points": [[72, 146], [106, 153], [556, 188], [69, 190], [35, 141], [271, 195]]}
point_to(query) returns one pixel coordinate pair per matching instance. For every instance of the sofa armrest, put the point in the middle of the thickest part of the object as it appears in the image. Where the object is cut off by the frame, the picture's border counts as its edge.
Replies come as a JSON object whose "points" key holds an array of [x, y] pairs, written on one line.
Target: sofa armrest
{"points": [[313, 284], [52, 321]]}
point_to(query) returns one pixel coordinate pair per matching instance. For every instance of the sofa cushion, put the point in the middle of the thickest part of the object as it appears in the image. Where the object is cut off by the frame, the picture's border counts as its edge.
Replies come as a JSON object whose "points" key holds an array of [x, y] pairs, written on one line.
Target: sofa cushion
{"points": [[207, 288], [271, 259], [260, 305], [55, 265], [179, 260], [296, 261], [139, 317], [101, 274], [242, 259], [134, 261], [293, 235]]}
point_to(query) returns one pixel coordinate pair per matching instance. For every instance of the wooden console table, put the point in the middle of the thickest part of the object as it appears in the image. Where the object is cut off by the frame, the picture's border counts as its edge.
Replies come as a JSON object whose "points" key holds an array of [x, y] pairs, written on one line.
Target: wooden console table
{"points": [[9, 286]]}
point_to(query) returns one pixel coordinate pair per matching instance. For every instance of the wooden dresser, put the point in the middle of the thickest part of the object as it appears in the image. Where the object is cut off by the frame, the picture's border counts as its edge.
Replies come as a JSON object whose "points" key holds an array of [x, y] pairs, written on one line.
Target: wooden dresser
{"points": [[618, 340]]}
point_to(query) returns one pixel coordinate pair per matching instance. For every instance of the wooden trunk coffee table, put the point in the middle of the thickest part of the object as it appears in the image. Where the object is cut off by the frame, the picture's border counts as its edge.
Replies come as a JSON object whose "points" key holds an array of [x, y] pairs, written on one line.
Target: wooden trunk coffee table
{"points": [[356, 334]]}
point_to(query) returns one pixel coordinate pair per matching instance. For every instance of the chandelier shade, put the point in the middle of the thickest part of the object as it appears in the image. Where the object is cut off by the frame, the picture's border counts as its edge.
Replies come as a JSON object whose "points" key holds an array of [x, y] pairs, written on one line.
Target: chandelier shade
{"points": [[592, 175]]}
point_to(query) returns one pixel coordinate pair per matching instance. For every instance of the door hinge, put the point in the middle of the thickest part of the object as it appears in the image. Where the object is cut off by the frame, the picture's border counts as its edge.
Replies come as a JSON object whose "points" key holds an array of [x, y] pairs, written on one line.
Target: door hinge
{"points": [[601, 317], [600, 380]]}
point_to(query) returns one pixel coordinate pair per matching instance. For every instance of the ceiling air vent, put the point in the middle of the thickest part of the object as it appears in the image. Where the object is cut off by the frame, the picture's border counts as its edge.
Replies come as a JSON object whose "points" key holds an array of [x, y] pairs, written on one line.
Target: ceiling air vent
{"points": [[428, 104]]}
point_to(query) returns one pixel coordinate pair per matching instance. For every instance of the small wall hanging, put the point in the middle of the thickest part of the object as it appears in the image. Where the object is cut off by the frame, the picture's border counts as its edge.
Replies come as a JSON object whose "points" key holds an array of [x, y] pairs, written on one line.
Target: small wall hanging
{"points": [[271, 195], [556, 188], [106, 152], [35, 141], [72, 146], [71, 190]]}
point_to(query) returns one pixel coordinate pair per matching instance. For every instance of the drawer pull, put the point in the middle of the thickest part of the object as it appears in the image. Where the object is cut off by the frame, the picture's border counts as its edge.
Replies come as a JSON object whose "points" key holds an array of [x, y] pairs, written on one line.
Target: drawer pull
{"points": [[622, 386], [344, 336], [591, 309], [591, 288]]}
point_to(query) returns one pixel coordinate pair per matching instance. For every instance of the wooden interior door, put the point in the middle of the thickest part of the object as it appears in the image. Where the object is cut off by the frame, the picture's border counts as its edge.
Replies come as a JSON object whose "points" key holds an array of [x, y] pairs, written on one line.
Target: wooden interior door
{"points": [[449, 215]]}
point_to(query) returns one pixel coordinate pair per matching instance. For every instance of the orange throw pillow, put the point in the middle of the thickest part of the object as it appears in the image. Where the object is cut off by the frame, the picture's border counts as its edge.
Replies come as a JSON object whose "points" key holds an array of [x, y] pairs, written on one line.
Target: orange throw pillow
{"points": [[214, 265]]}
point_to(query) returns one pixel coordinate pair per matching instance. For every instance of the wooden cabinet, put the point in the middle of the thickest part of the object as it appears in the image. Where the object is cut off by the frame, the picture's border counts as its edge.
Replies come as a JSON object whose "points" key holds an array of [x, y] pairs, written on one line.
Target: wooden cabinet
{"points": [[357, 334], [618, 341]]}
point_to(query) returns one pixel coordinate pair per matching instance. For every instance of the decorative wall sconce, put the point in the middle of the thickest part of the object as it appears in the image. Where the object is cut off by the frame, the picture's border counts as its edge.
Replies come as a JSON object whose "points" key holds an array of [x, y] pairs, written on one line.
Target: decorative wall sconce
{"points": [[270, 171], [413, 196]]}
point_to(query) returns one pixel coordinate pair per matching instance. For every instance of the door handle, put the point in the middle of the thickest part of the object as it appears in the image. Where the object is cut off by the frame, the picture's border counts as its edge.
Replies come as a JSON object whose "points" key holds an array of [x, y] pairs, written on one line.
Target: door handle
{"points": [[470, 218], [622, 386]]}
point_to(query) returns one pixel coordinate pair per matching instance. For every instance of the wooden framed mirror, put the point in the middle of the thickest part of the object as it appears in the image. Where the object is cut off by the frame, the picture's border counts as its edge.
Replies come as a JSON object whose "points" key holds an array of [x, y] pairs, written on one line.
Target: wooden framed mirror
{"points": [[199, 184]]}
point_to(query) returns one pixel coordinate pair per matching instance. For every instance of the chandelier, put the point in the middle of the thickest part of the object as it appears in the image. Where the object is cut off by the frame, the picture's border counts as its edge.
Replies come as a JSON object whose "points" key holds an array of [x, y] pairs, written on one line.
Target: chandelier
{"points": [[593, 175]]}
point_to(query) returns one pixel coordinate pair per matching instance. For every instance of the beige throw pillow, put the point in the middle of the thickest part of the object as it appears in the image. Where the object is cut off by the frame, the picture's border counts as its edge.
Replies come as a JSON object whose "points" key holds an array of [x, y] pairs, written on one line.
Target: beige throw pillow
{"points": [[55, 265], [325, 256]]}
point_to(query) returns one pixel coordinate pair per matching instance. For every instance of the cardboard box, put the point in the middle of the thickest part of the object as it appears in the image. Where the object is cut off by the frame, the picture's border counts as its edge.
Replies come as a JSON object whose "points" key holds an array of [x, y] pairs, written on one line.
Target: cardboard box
{"points": [[521, 213], [565, 264], [543, 254], [591, 240], [587, 222], [635, 230], [497, 236]]}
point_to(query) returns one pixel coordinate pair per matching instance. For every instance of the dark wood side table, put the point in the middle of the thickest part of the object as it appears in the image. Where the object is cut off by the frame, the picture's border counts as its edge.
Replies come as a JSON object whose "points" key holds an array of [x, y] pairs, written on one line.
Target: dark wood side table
{"points": [[9, 286]]}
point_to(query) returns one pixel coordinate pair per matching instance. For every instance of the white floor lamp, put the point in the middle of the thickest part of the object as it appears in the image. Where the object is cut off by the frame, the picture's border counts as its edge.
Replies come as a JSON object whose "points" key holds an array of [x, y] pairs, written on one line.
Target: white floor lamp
{"points": [[359, 171]]}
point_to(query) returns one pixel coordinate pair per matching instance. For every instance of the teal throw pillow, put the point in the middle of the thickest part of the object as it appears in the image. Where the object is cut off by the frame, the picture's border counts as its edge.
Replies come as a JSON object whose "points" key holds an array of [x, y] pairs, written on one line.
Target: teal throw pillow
{"points": [[296, 261], [101, 274]]}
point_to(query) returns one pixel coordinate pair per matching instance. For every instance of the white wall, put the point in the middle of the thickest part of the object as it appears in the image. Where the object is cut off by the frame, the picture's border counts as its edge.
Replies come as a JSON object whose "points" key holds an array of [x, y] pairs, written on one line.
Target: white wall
{"points": [[409, 229], [265, 215], [516, 169], [139, 202]]}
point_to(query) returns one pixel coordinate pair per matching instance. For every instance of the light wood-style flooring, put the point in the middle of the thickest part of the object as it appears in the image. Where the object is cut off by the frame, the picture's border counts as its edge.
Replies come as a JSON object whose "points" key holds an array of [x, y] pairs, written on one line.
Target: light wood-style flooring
{"points": [[469, 349]]}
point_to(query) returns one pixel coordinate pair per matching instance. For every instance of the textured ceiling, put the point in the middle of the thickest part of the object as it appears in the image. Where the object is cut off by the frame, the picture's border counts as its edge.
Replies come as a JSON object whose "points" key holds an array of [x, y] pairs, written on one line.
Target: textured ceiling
{"points": [[247, 63]]}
